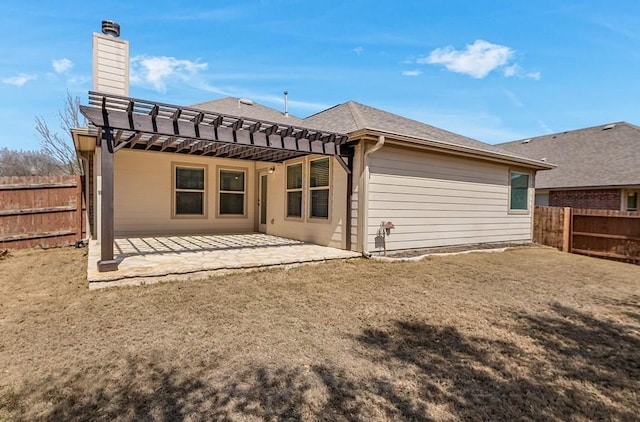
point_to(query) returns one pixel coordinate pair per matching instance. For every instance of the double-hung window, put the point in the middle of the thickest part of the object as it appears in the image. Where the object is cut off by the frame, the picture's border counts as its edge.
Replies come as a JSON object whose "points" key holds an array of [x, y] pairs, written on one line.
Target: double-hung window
{"points": [[319, 188], [519, 192], [232, 192], [294, 190], [189, 191], [632, 201]]}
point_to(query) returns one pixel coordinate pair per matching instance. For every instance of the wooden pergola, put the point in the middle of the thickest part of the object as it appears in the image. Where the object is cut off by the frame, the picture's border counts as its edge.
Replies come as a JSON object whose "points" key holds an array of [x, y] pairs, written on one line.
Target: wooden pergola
{"points": [[125, 122]]}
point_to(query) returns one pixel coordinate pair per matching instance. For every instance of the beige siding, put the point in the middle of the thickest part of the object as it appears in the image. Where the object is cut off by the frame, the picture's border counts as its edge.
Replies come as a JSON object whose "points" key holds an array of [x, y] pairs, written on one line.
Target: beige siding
{"points": [[329, 232], [110, 65], [144, 191], [440, 200]]}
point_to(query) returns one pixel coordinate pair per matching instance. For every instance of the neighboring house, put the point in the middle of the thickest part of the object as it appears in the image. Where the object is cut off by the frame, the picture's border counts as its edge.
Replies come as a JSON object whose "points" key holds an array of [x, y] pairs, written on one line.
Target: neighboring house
{"points": [[597, 167], [333, 179]]}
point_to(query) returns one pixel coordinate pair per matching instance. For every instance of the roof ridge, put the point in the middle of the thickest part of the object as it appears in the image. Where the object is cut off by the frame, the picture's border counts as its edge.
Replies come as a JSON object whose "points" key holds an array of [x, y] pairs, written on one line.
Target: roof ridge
{"points": [[356, 115], [564, 132], [215, 100]]}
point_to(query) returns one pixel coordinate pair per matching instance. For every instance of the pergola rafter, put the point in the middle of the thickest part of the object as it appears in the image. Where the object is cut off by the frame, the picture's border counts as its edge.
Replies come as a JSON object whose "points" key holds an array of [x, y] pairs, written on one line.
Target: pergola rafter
{"points": [[141, 124]]}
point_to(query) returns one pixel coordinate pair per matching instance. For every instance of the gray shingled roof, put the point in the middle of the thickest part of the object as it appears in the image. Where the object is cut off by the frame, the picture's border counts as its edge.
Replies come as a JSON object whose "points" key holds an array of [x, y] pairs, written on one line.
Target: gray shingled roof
{"points": [[605, 155], [351, 116], [235, 107]]}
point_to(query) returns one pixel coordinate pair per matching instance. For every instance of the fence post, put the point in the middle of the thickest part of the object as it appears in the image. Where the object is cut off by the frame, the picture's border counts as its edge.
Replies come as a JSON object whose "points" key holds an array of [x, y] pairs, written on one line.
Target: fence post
{"points": [[78, 208], [566, 230]]}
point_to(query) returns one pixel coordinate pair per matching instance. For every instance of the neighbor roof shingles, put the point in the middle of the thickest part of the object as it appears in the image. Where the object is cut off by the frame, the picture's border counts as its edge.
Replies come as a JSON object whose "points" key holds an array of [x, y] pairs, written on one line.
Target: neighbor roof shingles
{"points": [[589, 157]]}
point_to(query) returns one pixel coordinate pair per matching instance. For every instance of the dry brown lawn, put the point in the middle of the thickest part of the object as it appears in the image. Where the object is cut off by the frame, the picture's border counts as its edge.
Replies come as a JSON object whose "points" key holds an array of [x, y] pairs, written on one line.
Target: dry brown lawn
{"points": [[529, 334]]}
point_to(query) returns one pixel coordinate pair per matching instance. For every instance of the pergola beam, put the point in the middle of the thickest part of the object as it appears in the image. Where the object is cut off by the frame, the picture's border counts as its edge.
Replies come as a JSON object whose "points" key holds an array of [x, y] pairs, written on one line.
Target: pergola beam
{"points": [[183, 125]]}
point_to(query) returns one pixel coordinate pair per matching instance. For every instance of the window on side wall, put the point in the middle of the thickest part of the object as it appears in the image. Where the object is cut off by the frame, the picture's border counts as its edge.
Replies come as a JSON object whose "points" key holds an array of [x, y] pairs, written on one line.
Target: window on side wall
{"points": [[632, 201], [519, 192], [294, 190], [189, 191], [232, 192], [319, 188]]}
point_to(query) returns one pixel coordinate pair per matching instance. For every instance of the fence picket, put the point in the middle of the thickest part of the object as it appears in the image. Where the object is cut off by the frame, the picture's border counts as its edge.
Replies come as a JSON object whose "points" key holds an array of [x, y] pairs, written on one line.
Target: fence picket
{"points": [[40, 211], [602, 233]]}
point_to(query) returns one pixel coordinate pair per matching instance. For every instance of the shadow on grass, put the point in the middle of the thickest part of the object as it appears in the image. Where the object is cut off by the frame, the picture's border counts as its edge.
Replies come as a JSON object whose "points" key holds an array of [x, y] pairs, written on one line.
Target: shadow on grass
{"points": [[147, 391], [582, 368]]}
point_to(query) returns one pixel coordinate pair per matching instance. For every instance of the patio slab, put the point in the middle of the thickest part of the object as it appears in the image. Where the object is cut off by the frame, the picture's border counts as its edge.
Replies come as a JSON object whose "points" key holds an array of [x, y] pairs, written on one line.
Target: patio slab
{"points": [[145, 260]]}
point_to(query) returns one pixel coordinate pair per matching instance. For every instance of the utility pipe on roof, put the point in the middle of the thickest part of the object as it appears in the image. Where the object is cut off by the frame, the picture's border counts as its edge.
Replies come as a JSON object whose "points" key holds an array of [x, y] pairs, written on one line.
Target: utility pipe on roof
{"points": [[364, 207]]}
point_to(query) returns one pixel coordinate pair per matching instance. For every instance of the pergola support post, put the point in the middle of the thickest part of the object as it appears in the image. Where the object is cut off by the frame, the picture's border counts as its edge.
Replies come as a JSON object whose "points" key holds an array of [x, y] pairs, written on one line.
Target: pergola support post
{"points": [[106, 262]]}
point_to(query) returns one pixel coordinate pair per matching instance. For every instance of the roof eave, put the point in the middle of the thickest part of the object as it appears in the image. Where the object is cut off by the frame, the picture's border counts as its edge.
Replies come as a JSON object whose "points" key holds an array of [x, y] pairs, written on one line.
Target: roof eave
{"points": [[454, 149], [84, 138]]}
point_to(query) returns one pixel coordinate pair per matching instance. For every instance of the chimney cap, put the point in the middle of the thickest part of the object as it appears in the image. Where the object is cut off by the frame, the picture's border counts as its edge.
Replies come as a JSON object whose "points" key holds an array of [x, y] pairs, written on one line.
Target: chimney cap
{"points": [[110, 28]]}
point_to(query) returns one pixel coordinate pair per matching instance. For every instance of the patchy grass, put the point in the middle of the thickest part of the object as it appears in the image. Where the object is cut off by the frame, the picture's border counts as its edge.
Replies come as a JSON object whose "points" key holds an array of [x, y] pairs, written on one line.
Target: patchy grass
{"points": [[529, 334]]}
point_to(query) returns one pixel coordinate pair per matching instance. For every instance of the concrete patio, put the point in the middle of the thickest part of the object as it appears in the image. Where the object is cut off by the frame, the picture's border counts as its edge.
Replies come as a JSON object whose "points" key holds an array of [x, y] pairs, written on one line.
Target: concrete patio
{"points": [[144, 260]]}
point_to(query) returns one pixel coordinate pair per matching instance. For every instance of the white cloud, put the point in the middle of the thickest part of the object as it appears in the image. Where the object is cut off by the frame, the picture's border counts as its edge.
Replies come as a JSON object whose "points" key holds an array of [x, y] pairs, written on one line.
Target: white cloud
{"points": [[358, 50], [477, 125], [476, 60], [534, 75], [157, 70], [19, 80], [411, 72], [62, 65], [512, 70], [544, 127], [513, 98], [270, 99], [516, 70]]}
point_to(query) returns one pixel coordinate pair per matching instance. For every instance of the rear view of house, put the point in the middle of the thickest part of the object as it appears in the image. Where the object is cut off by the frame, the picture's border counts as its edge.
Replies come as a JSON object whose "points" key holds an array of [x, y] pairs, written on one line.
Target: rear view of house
{"points": [[341, 178]]}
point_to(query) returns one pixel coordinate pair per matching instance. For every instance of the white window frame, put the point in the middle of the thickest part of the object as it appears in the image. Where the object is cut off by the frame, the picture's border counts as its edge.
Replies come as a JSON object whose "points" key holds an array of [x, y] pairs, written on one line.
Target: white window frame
{"points": [[320, 188], [175, 190], [219, 191], [629, 193], [528, 204], [300, 189]]}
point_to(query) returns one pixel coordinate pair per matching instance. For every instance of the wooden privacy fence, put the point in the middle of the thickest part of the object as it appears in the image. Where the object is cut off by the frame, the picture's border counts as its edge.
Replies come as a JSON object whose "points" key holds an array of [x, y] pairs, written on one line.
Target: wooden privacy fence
{"points": [[601, 233], [40, 211]]}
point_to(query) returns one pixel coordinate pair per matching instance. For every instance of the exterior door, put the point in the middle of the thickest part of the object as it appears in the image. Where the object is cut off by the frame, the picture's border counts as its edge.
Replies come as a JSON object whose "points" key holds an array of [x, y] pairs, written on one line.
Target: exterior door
{"points": [[262, 203]]}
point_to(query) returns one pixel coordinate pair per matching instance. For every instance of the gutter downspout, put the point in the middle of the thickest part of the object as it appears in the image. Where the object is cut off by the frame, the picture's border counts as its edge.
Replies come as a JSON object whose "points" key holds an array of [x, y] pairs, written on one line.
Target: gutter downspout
{"points": [[364, 216]]}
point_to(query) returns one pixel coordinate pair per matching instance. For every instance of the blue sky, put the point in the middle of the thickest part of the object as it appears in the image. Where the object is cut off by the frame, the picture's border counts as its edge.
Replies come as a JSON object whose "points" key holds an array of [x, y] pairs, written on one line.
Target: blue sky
{"points": [[492, 70]]}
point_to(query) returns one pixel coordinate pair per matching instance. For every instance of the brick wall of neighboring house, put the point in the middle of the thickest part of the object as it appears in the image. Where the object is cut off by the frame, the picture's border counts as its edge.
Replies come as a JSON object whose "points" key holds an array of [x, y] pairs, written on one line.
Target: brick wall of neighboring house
{"points": [[602, 199]]}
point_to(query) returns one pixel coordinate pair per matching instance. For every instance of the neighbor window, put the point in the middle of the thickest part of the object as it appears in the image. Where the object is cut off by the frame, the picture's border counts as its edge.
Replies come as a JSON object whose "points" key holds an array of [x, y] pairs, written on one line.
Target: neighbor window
{"points": [[189, 190], [294, 190], [632, 201], [519, 197], [319, 188], [232, 191]]}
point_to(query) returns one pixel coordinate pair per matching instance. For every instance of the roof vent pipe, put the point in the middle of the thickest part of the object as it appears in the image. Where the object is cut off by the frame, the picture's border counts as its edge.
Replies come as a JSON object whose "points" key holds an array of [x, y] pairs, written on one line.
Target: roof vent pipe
{"points": [[286, 105], [110, 28]]}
